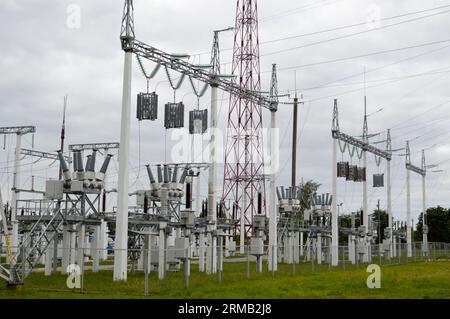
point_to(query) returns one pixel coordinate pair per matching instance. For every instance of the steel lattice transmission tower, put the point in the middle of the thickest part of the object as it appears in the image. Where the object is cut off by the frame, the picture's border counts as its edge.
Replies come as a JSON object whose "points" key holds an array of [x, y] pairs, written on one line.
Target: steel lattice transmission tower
{"points": [[244, 160]]}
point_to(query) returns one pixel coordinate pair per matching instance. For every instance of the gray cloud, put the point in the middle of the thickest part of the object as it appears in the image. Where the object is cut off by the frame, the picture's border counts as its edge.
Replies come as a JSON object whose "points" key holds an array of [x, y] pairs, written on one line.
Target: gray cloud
{"points": [[42, 60]]}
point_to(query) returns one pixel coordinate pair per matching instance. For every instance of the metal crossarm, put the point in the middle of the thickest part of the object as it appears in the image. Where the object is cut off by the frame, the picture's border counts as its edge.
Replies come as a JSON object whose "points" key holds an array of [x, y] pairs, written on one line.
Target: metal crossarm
{"points": [[415, 169], [362, 145], [21, 130], [97, 146], [167, 60], [33, 153]]}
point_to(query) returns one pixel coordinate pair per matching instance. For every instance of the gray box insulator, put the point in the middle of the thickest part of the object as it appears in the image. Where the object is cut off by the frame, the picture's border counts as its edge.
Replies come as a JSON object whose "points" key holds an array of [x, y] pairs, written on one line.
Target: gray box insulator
{"points": [[75, 161], [64, 167], [88, 163], [147, 106], [378, 180], [79, 161], [174, 115], [184, 175], [198, 116], [175, 173], [166, 174], [278, 193], [54, 189], [150, 175], [160, 177], [62, 161], [92, 162], [105, 165]]}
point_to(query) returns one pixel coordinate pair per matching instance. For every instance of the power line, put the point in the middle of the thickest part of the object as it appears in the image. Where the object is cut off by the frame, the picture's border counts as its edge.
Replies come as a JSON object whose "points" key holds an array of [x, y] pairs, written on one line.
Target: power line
{"points": [[361, 56], [352, 91], [421, 113], [353, 34], [356, 25], [305, 7], [377, 68], [432, 72], [342, 28]]}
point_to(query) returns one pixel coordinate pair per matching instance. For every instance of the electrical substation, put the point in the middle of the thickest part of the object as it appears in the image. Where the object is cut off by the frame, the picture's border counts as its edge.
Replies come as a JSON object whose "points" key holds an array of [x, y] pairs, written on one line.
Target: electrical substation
{"points": [[168, 224]]}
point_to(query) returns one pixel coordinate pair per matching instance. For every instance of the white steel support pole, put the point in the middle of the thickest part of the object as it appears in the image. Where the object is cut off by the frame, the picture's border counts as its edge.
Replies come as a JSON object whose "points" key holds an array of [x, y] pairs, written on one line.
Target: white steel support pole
{"points": [[201, 251], [197, 181], [301, 243], [162, 254], [334, 211], [49, 257], [211, 254], [408, 213], [212, 157], [65, 248], [103, 240], [121, 240], [227, 245], [394, 245], [389, 205], [15, 196], [197, 197], [273, 245], [73, 245], [81, 244], [424, 221], [319, 248], [103, 236], [365, 213], [351, 249], [96, 248]]}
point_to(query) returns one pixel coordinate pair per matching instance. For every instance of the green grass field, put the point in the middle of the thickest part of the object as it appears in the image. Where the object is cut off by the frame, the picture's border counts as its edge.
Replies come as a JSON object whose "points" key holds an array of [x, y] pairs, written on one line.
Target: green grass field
{"points": [[412, 280]]}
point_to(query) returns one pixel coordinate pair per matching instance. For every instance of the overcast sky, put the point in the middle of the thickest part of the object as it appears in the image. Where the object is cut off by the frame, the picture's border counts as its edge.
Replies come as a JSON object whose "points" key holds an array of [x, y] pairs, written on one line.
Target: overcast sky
{"points": [[48, 52]]}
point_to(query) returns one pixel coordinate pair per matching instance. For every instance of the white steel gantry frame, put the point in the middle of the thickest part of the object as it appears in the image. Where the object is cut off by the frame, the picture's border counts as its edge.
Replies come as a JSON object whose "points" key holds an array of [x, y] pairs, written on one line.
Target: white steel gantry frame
{"points": [[101, 240], [365, 147], [273, 207], [422, 171], [19, 131], [131, 45]]}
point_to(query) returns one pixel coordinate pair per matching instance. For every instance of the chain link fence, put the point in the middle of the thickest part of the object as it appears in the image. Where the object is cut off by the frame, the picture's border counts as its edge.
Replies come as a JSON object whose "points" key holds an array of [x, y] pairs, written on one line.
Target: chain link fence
{"points": [[89, 272]]}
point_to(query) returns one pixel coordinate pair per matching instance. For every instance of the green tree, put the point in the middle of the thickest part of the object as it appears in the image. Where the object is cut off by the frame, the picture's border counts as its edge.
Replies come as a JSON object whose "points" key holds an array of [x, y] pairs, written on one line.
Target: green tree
{"points": [[380, 216], [438, 221], [308, 188], [346, 222]]}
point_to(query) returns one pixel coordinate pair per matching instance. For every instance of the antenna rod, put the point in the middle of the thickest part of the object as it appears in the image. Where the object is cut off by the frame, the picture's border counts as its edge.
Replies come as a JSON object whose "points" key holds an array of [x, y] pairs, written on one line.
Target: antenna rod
{"points": [[63, 134], [294, 141]]}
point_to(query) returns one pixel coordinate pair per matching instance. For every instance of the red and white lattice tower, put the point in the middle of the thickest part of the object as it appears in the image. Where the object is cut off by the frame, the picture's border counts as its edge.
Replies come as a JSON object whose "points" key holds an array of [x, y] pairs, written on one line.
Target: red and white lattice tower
{"points": [[244, 160]]}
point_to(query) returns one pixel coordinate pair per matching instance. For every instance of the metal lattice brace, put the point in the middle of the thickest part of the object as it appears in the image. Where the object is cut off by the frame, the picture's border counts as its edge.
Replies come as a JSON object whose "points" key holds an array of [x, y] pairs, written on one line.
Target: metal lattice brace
{"points": [[26, 258], [21, 130], [415, 169], [46, 155], [362, 145], [96, 146]]}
